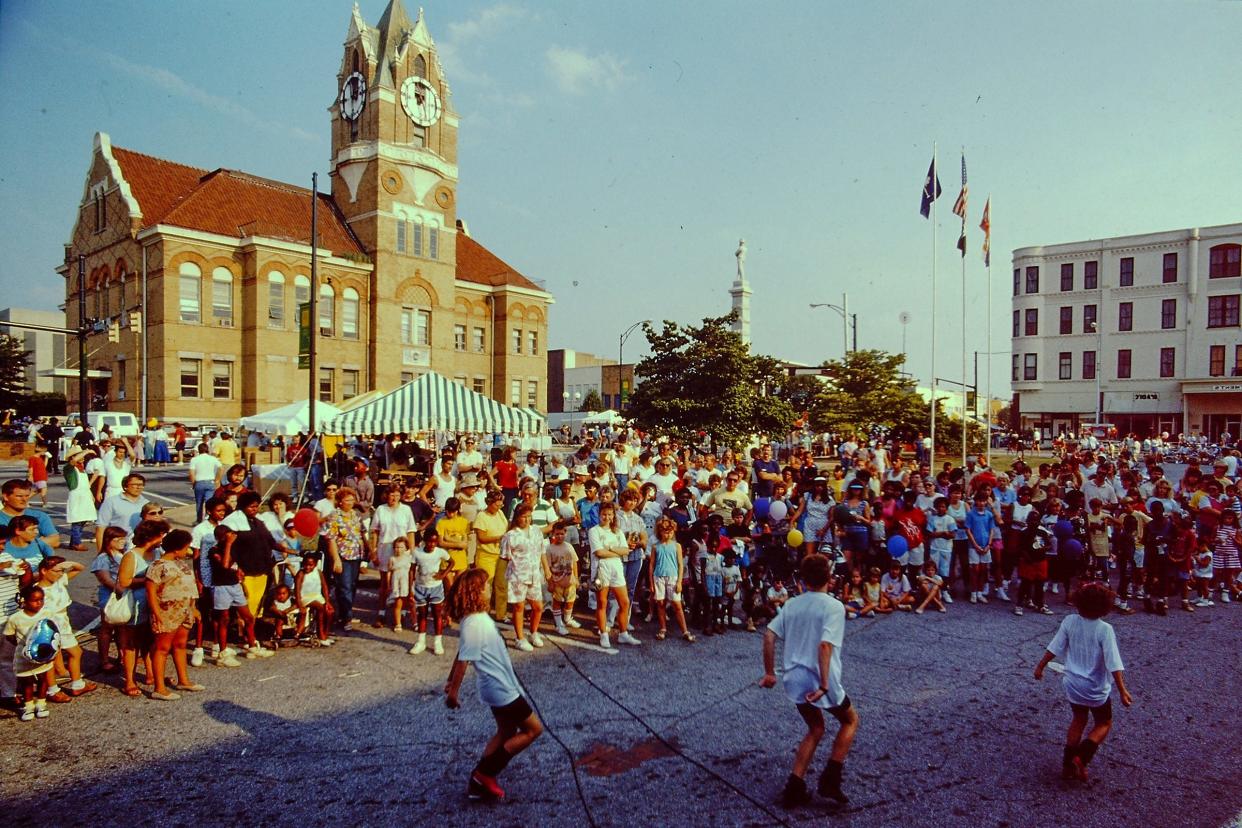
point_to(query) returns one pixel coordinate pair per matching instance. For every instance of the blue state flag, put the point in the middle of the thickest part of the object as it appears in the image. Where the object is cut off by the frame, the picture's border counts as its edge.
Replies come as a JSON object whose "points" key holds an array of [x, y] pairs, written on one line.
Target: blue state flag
{"points": [[931, 190]]}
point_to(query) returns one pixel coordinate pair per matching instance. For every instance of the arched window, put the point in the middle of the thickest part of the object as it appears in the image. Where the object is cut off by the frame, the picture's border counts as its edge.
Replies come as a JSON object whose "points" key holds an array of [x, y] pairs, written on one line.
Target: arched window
{"points": [[420, 66], [349, 313], [301, 291], [354, 61], [1225, 260], [276, 299], [416, 229], [190, 280], [327, 310], [433, 240], [222, 297]]}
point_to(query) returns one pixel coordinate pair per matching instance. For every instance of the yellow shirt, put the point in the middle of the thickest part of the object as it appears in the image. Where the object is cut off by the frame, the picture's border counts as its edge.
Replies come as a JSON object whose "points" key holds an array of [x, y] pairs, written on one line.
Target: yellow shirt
{"points": [[493, 526], [227, 453], [455, 530]]}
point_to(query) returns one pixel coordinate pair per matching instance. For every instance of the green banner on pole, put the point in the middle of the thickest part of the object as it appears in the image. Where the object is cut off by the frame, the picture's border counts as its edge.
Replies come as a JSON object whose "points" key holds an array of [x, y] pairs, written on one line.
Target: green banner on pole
{"points": [[304, 335]]}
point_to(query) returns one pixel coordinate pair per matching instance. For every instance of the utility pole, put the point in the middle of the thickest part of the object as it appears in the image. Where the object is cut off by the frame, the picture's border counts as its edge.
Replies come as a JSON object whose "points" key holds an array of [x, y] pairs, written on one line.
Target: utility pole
{"points": [[314, 310], [84, 402]]}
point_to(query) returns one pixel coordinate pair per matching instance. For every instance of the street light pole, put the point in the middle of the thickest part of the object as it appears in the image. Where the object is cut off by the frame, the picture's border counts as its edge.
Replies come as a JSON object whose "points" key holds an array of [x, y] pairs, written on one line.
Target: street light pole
{"points": [[621, 355], [846, 319], [1099, 348]]}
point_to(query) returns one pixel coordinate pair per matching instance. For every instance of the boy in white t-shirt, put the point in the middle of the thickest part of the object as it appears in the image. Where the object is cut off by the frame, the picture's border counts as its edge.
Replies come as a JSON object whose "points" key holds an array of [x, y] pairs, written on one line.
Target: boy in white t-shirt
{"points": [[431, 563], [1087, 646], [517, 725], [812, 626]]}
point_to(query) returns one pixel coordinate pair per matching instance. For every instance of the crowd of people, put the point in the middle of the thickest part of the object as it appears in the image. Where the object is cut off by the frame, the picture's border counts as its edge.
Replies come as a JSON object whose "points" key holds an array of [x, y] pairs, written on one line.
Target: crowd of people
{"points": [[619, 536]]}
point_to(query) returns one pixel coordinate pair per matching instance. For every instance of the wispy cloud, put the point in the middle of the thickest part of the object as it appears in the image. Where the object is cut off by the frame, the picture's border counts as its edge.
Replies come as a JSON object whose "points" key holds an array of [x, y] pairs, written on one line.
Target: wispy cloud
{"points": [[463, 38], [575, 72], [174, 84]]}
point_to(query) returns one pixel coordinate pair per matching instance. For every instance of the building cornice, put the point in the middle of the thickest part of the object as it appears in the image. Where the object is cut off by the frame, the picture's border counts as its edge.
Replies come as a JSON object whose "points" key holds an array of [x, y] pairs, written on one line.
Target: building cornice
{"points": [[251, 243], [414, 156]]}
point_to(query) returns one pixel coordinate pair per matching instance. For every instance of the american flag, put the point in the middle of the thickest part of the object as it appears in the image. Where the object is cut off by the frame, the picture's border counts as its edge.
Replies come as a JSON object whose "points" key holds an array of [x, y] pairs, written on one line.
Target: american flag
{"points": [[959, 206]]}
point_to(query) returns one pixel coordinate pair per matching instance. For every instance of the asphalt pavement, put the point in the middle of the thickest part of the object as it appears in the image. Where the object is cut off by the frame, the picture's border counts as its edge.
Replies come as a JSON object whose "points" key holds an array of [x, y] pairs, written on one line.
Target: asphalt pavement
{"points": [[954, 731]]}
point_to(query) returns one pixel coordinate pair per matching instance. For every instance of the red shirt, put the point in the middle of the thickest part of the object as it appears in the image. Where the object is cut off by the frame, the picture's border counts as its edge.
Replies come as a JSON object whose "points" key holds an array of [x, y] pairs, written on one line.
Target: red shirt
{"points": [[507, 474], [38, 468]]}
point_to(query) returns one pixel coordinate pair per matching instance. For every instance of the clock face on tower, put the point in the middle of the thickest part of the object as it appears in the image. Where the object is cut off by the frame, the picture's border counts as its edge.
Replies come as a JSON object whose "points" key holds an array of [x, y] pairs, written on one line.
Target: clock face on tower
{"points": [[420, 101], [353, 96]]}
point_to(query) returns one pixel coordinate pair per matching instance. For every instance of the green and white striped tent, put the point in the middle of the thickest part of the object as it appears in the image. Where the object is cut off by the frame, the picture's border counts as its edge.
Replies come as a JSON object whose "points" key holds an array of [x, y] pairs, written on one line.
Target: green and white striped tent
{"points": [[435, 403]]}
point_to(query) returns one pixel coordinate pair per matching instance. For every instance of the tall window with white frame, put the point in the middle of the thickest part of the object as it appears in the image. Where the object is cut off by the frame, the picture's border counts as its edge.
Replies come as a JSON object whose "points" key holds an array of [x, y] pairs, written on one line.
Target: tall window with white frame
{"points": [[1088, 365], [1090, 275], [1216, 361], [327, 310], [222, 297], [459, 337], [1168, 314], [1125, 316], [326, 378], [480, 340], [221, 380], [532, 342], [275, 299], [515, 392], [349, 313], [1017, 324], [1125, 271], [1067, 320], [1169, 271], [349, 383], [1030, 366], [1089, 318], [416, 237], [480, 385], [1032, 279], [190, 285], [1067, 276], [1168, 358], [422, 327], [301, 293], [433, 241], [532, 394], [191, 374], [1013, 374], [1065, 365], [1032, 322], [402, 229], [1123, 363], [517, 340]]}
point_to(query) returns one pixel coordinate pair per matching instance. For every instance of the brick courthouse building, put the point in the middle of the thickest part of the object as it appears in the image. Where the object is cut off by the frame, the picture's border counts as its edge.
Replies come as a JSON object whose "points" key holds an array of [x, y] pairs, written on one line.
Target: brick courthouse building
{"points": [[223, 258]]}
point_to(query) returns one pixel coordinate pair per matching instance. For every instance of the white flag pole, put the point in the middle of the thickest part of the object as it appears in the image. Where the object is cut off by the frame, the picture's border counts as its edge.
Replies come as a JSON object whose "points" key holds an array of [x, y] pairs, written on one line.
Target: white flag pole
{"points": [[963, 258], [931, 460], [987, 403]]}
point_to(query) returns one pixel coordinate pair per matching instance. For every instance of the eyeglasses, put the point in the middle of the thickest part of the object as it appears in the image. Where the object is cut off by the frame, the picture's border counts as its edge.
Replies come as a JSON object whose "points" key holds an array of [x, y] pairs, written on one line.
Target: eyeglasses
{"points": [[156, 512]]}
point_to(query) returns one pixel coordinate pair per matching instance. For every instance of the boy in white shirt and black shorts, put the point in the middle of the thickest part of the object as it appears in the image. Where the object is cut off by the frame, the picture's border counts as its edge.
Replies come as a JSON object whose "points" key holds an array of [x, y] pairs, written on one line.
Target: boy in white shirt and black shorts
{"points": [[812, 626]]}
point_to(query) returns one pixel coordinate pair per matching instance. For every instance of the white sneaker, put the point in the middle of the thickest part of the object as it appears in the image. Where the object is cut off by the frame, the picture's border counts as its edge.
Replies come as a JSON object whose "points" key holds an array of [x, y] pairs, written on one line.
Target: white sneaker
{"points": [[437, 645], [626, 638], [1017, 611], [536, 639], [946, 597], [1224, 597], [327, 642], [262, 652], [974, 597], [1002, 594], [561, 629], [983, 599], [229, 651], [604, 642], [250, 653], [525, 646], [987, 588], [420, 645], [196, 657], [227, 660], [1056, 590], [572, 623]]}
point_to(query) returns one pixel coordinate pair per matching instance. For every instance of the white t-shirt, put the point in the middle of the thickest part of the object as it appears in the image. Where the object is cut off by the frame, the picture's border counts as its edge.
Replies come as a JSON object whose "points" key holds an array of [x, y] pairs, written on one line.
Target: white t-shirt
{"points": [[471, 460], [1088, 648], [802, 624], [204, 467], [481, 644], [428, 564], [392, 522]]}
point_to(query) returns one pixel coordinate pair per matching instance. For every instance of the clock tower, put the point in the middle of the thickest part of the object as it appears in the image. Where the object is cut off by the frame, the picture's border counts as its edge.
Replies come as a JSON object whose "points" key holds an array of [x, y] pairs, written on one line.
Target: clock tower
{"points": [[394, 177]]}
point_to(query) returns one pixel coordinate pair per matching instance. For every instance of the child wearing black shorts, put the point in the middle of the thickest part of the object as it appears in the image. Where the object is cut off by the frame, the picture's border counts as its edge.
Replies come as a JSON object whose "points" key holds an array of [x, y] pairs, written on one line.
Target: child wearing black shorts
{"points": [[1087, 646], [517, 726]]}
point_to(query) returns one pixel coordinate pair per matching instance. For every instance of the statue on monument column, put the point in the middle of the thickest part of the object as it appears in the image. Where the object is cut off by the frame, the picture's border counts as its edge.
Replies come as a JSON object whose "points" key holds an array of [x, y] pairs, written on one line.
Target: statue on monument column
{"points": [[741, 260]]}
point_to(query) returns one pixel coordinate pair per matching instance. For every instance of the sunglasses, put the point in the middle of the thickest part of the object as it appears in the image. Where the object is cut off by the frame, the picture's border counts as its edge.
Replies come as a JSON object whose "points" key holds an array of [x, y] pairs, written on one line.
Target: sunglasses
{"points": [[156, 512]]}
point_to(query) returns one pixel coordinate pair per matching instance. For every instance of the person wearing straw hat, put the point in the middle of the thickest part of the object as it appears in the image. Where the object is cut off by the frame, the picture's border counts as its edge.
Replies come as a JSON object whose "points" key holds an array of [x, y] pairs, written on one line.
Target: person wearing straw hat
{"points": [[79, 503]]}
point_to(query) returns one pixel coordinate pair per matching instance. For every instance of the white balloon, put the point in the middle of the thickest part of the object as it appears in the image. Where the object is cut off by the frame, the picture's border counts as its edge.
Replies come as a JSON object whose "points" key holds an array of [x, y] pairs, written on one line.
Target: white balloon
{"points": [[778, 510]]}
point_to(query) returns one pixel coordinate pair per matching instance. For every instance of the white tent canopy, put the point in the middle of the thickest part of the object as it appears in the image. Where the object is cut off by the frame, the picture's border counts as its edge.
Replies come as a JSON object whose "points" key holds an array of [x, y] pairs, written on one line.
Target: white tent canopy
{"points": [[290, 419], [435, 403], [607, 417]]}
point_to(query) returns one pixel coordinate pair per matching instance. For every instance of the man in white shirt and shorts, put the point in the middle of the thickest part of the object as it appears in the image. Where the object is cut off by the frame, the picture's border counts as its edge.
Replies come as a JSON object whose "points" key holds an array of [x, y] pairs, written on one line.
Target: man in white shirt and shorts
{"points": [[812, 626]]}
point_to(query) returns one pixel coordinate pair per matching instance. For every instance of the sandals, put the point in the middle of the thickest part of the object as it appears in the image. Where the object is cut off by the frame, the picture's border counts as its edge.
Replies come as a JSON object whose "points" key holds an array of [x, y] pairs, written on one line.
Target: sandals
{"points": [[83, 690], [190, 688], [166, 696], [689, 636], [132, 692], [661, 634]]}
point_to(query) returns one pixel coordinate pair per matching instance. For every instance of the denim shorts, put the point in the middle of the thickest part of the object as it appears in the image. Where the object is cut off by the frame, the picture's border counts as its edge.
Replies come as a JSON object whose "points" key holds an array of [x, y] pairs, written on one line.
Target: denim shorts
{"points": [[714, 585]]}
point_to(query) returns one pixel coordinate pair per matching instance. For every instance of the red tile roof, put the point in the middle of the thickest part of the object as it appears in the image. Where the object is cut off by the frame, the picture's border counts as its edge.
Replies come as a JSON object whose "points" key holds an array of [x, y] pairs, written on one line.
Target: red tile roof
{"points": [[475, 263], [230, 203]]}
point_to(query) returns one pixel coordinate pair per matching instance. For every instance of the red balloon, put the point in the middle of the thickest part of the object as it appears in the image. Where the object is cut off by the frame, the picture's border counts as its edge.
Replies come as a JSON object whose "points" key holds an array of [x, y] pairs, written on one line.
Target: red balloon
{"points": [[306, 521]]}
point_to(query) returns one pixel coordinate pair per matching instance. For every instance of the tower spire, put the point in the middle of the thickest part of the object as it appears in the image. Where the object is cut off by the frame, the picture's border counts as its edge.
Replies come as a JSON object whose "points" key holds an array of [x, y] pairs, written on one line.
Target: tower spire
{"points": [[740, 292]]}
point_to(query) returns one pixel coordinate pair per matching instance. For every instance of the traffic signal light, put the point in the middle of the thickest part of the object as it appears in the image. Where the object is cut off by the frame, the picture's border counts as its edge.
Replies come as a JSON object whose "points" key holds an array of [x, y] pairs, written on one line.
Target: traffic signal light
{"points": [[114, 332], [135, 321]]}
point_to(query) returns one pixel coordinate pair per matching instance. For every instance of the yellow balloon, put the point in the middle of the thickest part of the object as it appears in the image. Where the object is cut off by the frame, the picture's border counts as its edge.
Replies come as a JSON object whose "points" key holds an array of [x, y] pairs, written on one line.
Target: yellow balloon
{"points": [[794, 538], [633, 484], [152, 423]]}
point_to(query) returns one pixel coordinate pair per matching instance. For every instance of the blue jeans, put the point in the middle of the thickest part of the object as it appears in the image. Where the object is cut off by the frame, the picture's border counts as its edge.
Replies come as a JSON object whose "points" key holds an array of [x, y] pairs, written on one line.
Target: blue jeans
{"points": [[75, 533], [202, 491], [346, 584], [622, 481]]}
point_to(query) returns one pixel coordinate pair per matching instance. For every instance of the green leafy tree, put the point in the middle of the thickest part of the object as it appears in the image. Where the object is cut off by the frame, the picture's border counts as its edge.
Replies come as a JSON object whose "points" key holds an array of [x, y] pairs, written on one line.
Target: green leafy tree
{"points": [[703, 379], [866, 389], [14, 362], [592, 402]]}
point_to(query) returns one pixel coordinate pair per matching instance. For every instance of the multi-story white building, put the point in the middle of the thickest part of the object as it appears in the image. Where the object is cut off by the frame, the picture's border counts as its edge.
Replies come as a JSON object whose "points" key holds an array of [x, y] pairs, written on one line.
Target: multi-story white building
{"points": [[1142, 329], [46, 372]]}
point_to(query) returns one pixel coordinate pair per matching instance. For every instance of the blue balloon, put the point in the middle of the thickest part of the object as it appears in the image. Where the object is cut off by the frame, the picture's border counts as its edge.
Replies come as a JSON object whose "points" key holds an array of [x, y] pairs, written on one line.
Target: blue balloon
{"points": [[762, 505], [1072, 548], [897, 546], [1063, 529], [43, 643]]}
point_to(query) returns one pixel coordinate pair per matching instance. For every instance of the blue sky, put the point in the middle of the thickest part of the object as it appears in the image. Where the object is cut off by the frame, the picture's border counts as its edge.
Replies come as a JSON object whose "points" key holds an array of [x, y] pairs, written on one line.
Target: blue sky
{"points": [[618, 151]]}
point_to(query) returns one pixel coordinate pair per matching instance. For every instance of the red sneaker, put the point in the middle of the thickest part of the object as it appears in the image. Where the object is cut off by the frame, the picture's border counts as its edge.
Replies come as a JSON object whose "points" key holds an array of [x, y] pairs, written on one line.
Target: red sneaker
{"points": [[484, 787]]}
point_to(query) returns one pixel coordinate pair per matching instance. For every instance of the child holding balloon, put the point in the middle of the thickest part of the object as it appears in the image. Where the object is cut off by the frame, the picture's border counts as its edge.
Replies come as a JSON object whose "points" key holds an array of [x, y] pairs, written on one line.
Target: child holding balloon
{"points": [[33, 674]]}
